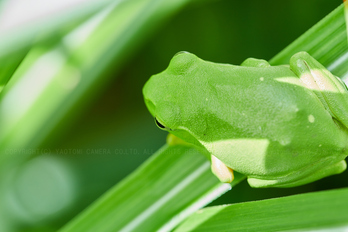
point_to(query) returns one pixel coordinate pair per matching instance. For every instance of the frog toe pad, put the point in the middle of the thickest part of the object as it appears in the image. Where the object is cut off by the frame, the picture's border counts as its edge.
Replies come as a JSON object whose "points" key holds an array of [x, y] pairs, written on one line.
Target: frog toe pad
{"points": [[221, 171]]}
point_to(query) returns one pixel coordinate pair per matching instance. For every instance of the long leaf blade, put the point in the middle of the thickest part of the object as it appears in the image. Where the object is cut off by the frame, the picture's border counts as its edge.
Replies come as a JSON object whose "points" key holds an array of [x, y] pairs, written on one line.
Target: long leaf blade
{"points": [[183, 182], [311, 211], [326, 41], [50, 83], [19, 27]]}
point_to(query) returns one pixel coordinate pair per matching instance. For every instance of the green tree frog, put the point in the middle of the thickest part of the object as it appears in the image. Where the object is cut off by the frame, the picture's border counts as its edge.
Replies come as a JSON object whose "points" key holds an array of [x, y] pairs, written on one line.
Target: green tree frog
{"points": [[281, 126]]}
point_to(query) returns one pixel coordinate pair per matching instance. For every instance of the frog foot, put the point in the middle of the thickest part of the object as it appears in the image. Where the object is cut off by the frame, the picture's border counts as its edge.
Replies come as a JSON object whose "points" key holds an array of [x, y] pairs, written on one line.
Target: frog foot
{"points": [[221, 171]]}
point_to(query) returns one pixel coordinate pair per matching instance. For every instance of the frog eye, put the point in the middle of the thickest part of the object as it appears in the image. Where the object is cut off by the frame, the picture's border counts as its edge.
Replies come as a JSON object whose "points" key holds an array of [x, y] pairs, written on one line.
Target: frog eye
{"points": [[160, 125]]}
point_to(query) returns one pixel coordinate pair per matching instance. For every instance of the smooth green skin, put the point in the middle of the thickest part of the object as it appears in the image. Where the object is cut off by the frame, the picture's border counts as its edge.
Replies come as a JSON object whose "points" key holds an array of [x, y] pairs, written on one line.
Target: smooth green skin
{"points": [[281, 126]]}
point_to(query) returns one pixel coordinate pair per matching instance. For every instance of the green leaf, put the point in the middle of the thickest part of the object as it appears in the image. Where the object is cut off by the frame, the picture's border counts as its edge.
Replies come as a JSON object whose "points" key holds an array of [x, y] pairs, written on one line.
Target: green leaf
{"points": [[172, 184], [8, 66], [327, 209], [326, 41], [20, 27], [53, 79]]}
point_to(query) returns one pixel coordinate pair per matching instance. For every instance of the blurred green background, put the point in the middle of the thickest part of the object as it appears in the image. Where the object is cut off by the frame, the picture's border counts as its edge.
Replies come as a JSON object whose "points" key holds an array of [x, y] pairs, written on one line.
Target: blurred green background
{"points": [[114, 133]]}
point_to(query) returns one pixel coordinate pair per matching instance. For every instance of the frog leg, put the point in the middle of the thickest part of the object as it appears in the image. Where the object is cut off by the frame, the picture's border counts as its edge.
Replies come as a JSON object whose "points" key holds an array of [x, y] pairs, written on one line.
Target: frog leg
{"points": [[330, 90], [221, 171]]}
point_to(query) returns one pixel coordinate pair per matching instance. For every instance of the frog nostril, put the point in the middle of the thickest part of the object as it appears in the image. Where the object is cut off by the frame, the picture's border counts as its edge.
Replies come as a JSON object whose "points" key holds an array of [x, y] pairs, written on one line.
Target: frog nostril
{"points": [[181, 63], [181, 52]]}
